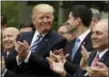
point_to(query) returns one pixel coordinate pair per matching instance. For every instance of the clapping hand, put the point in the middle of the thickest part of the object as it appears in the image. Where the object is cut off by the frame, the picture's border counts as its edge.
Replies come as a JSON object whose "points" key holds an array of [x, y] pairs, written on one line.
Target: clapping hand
{"points": [[22, 49], [56, 61], [3, 64], [84, 60], [100, 70]]}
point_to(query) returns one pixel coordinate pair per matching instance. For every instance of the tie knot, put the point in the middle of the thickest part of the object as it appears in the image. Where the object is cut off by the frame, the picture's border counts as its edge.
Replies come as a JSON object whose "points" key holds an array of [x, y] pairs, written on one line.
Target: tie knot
{"points": [[39, 36]]}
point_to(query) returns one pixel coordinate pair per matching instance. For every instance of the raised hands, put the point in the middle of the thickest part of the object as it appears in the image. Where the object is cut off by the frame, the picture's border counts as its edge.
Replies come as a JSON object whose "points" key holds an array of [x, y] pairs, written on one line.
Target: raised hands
{"points": [[56, 61], [22, 49], [84, 60], [3, 67], [101, 70]]}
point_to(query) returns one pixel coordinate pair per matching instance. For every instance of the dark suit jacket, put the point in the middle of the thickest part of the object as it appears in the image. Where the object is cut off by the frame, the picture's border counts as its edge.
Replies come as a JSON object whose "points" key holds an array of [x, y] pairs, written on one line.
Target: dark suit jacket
{"points": [[9, 74], [38, 64], [104, 59], [8, 58], [9, 65], [74, 70], [87, 44]]}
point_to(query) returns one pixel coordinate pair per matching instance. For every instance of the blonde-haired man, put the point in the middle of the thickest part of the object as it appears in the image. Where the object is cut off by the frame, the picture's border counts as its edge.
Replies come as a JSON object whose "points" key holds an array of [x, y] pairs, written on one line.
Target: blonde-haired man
{"points": [[45, 12], [9, 37], [34, 47]]}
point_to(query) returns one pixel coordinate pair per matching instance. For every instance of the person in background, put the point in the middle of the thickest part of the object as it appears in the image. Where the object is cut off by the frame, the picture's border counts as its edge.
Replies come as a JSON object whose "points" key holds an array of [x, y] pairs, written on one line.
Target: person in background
{"points": [[26, 27], [9, 37], [96, 17], [66, 31], [79, 17], [97, 61]]}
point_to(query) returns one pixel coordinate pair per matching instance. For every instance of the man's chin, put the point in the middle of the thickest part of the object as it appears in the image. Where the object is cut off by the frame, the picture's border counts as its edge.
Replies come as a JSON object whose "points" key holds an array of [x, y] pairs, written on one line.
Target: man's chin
{"points": [[46, 30], [95, 46]]}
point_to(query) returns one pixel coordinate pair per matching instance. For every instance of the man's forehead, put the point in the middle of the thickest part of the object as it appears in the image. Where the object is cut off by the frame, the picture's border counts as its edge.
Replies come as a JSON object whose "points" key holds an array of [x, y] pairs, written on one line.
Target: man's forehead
{"points": [[9, 32], [101, 26]]}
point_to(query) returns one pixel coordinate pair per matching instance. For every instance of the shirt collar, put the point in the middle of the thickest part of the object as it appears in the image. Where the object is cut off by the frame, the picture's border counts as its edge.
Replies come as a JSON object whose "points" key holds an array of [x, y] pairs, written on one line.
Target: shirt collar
{"points": [[37, 33], [35, 36], [102, 53], [83, 35]]}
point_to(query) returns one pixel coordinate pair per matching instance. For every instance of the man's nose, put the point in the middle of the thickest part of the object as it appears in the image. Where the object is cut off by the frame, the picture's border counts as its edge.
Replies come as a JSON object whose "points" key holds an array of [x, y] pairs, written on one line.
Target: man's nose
{"points": [[93, 36], [68, 21], [45, 19]]}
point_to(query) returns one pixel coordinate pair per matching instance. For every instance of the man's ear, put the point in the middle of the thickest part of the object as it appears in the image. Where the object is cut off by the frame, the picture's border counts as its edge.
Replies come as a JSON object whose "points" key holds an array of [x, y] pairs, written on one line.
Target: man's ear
{"points": [[53, 17], [33, 21], [79, 20]]}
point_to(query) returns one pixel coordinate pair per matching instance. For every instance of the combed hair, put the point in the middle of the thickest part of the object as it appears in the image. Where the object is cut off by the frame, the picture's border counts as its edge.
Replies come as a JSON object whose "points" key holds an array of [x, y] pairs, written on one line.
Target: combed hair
{"points": [[83, 12], [44, 7], [96, 13], [13, 29]]}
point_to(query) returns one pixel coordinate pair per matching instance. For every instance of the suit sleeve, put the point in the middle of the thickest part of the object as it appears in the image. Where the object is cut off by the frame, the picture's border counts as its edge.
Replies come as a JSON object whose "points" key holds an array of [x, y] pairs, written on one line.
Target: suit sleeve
{"points": [[43, 61], [9, 74], [59, 44], [73, 69]]}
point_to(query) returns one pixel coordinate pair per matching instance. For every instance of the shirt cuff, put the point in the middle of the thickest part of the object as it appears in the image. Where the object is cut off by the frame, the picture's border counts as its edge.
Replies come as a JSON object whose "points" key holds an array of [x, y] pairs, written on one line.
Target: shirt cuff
{"points": [[17, 59], [27, 58], [4, 72]]}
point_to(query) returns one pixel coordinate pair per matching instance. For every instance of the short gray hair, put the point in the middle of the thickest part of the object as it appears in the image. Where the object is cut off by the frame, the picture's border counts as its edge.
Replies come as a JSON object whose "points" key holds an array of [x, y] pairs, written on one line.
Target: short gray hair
{"points": [[96, 13]]}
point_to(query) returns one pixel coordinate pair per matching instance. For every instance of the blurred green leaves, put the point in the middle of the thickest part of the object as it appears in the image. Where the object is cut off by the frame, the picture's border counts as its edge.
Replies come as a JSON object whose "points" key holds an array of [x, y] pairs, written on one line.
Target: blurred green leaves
{"points": [[11, 10]]}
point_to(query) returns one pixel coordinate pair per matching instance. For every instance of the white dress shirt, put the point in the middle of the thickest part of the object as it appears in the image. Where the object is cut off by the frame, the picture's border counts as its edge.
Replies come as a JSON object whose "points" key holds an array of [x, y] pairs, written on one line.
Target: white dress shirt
{"points": [[33, 39]]}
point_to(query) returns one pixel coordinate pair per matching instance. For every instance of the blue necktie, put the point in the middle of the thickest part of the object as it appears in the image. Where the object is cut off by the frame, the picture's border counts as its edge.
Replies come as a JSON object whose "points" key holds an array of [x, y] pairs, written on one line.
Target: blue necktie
{"points": [[75, 48], [35, 43]]}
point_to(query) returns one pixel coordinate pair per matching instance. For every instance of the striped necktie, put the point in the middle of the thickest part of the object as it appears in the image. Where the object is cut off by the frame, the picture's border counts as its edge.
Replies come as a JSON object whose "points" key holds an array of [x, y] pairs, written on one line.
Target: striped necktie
{"points": [[35, 43]]}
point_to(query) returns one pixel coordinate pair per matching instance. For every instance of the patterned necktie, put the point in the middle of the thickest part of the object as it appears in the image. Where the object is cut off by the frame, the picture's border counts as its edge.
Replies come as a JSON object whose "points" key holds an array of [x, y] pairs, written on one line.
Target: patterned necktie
{"points": [[94, 63], [96, 59], [35, 43], [75, 48]]}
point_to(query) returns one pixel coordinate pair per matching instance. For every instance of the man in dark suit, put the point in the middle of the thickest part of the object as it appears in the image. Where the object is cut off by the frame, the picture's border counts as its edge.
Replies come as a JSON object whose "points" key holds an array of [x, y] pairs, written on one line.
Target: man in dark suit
{"points": [[9, 36], [100, 44], [80, 18], [33, 49]]}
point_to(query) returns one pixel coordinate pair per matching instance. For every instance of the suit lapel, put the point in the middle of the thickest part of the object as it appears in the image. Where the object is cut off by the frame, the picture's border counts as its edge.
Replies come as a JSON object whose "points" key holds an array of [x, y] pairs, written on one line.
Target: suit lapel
{"points": [[29, 39], [105, 57], [92, 56], [87, 42], [69, 48], [44, 44]]}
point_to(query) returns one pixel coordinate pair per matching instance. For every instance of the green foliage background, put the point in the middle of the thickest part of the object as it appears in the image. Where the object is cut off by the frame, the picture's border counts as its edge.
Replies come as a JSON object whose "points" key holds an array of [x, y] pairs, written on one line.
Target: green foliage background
{"points": [[11, 10]]}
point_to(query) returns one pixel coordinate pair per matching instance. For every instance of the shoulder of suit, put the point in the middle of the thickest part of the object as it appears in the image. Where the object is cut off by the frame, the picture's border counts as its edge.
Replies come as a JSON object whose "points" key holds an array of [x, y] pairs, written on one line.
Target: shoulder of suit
{"points": [[57, 36], [26, 33]]}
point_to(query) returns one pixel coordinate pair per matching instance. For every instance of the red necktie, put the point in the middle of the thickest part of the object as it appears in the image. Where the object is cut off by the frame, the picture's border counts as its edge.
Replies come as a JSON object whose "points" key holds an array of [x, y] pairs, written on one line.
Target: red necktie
{"points": [[96, 59]]}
